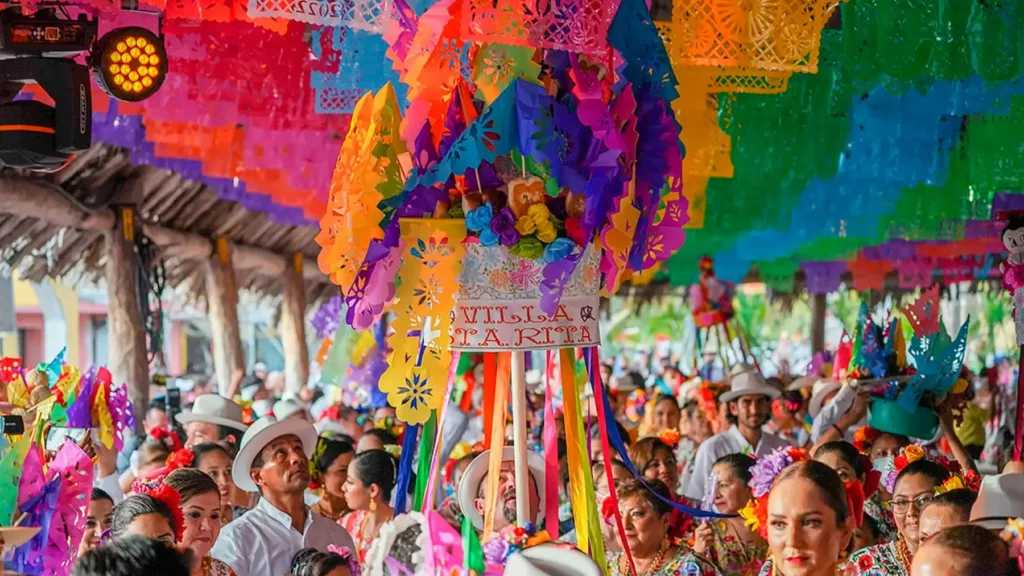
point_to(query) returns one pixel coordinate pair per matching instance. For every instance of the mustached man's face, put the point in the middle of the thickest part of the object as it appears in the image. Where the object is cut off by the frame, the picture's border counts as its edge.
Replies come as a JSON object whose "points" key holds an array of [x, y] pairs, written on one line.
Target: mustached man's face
{"points": [[285, 467], [506, 504]]}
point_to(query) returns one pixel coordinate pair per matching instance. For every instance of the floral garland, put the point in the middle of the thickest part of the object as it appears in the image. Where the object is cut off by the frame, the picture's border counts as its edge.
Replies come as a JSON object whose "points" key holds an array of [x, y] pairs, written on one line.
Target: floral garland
{"points": [[169, 497], [906, 455], [512, 539]]}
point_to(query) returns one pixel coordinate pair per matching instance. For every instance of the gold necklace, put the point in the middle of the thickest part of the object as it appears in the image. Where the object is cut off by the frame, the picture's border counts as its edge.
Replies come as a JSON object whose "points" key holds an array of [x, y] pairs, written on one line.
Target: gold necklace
{"points": [[903, 555], [654, 564]]}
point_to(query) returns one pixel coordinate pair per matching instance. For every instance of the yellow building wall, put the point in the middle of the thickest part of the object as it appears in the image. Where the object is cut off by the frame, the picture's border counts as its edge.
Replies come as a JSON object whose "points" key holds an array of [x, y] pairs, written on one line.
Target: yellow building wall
{"points": [[25, 296]]}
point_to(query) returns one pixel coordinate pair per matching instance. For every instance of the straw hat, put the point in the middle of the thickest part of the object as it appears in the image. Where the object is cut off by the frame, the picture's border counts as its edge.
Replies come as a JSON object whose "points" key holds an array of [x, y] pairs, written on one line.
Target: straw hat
{"points": [[1001, 497], [551, 560], [215, 409], [746, 381], [284, 409], [822, 388], [263, 432], [477, 469]]}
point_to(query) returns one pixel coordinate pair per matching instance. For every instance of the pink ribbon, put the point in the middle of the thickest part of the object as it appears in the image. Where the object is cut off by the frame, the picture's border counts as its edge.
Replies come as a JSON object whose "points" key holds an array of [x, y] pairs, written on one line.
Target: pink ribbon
{"points": [[550, 455]]}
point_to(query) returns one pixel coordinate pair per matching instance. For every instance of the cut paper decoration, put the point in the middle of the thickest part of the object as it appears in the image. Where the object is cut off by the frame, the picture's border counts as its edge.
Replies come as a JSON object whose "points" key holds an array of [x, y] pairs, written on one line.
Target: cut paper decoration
{"points": [[497, 66], [617, 238], [11, 466], [367, 15], [432, 256], [938, 361], [573, 25], [923, 312], [497, 306]]}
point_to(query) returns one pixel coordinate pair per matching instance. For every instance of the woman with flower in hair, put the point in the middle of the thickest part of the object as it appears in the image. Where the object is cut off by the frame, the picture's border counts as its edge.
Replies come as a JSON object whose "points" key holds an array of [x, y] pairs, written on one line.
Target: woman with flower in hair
{"points": [[728, 542], [850, 464], [154, 512], [913, 484], [201, 514], [334, 562], [215, 460], [808, 516], [328, 471], [786, 421], [656, 460], [645, 520]]}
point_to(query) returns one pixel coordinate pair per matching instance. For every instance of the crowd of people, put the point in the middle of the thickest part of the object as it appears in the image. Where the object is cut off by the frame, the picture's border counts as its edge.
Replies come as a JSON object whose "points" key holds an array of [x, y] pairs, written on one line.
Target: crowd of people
{"points": [[752, 476]]}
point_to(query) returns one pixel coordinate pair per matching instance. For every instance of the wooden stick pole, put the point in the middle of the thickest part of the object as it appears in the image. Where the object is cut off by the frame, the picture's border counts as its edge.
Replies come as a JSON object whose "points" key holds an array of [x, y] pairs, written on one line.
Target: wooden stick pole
{"points": [[519, 417]]}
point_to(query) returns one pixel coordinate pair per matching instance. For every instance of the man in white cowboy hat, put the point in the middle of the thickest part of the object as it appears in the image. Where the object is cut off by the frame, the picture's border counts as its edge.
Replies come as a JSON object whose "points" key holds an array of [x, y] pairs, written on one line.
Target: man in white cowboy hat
{"points": [[213, 418], [749, 400], [838, 411], [473, 489], [1001, 497], [273, 458]]}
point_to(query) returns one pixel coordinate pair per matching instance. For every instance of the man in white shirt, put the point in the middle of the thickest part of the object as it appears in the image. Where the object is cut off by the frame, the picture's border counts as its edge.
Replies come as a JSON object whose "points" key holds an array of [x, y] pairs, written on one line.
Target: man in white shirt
{"points": [[749, 402], [274, 460]]}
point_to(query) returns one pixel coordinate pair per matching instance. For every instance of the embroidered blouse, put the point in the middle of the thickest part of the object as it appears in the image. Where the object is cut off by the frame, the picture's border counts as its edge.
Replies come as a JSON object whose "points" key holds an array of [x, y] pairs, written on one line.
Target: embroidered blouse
{"points": [[889, 559], [883, 518], [734, 557], [213, 567], [683, 563]]}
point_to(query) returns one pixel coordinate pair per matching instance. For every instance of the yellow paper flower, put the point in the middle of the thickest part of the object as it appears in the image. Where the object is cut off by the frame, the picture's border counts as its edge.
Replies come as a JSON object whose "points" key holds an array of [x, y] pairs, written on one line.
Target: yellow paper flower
{"points": [[953, 483], [749, 516], [525, 226], [913, 453], [960, 386], [547, 233]]}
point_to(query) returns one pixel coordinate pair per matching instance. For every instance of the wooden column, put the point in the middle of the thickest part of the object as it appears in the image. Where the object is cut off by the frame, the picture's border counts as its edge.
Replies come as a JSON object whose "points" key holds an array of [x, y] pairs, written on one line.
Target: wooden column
{"points": [[128, 360], [818, 323], [222, 307], [293, 328]]}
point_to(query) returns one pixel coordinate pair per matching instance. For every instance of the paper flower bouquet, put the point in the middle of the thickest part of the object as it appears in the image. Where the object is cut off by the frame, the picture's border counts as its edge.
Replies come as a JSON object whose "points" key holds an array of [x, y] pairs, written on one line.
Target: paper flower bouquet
{"points": [[905, 397]]}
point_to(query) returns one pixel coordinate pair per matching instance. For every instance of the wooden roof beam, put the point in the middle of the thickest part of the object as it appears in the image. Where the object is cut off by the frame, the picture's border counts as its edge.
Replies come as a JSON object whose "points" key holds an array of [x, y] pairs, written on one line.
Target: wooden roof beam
{"points": [[37, 199]]}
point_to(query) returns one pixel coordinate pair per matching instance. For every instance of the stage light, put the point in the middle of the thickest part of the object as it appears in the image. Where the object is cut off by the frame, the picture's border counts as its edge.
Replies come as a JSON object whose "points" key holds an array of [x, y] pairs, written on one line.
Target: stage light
{"points": [[138, 63]]}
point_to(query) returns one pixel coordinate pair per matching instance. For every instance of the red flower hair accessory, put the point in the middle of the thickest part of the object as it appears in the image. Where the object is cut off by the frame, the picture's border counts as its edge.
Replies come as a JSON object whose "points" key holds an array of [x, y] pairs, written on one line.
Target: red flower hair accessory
{"points": [[169, 497], [855, 500], [670, 437], [180, 459], [864, 437], [167, 437]]}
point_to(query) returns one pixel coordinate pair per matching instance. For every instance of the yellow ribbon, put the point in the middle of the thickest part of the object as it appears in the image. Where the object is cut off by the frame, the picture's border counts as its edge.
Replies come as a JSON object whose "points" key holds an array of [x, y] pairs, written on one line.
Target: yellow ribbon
{"points": [[581, 480], [497, 447]]}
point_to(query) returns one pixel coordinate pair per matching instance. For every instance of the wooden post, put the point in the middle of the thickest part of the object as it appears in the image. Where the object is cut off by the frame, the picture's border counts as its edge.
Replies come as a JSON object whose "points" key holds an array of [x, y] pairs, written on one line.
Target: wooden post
{"points": [[293, 328], [128, 358], [519, 438], [818, 323], [222, 307]]}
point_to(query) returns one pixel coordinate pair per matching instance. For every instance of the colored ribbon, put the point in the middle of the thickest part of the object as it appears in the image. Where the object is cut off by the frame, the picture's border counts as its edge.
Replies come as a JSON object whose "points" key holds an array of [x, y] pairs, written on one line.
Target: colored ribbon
{"points": [[490, 379], [593, 359], [497, 445], [550, 453], [620, 447], [472, 552], [405, 467], [435, 463], [427, 441], [581, 481]]}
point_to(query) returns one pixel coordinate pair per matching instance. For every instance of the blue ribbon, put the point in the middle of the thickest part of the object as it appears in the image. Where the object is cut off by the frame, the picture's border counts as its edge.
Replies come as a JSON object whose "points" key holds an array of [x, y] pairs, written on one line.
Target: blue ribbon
{"points": [[405, 467], [615, 439]]}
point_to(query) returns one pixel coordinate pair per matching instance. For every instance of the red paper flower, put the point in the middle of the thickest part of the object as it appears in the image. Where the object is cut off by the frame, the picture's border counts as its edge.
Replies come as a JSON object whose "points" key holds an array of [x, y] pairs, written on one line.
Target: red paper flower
{"points": [[169, 497], [900, 462], [866, 562], [972, 481], [574, 231], [180, 459], [168, 437]]}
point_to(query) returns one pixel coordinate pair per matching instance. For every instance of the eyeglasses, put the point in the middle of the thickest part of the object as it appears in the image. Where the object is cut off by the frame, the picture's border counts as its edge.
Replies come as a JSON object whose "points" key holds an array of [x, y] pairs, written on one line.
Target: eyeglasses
{"points": [[901, 505]]}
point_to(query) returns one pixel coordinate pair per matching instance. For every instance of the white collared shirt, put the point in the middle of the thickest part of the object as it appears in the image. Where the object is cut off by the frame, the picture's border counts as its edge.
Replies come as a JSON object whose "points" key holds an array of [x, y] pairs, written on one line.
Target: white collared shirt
{"points": [[262, 542], [723, 444]]}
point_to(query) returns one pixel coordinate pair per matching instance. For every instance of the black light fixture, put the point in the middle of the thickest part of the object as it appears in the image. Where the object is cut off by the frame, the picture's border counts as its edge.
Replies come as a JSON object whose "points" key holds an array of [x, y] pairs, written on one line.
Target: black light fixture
{"points": [[130, 63]]}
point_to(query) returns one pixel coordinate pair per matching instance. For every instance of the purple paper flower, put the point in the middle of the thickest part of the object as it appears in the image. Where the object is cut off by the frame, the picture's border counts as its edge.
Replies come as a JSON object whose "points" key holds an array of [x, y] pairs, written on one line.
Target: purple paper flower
{"points": [[766, 469], [496, 551], [503, 225]]}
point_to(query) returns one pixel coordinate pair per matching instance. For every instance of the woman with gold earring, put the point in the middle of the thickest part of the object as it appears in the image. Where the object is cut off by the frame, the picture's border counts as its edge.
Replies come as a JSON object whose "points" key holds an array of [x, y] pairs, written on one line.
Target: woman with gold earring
{"points": [[371, 478]]}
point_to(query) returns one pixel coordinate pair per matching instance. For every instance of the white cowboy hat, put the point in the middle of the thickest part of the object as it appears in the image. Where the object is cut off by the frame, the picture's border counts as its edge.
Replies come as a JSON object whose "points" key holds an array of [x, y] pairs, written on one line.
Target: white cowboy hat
{"points": [[215, 409], [1000, 497], [477, 469], [803, 382], [284, 409], [263, 432], [746, 381], [822, 388], [551, 560], [12, 537]]}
